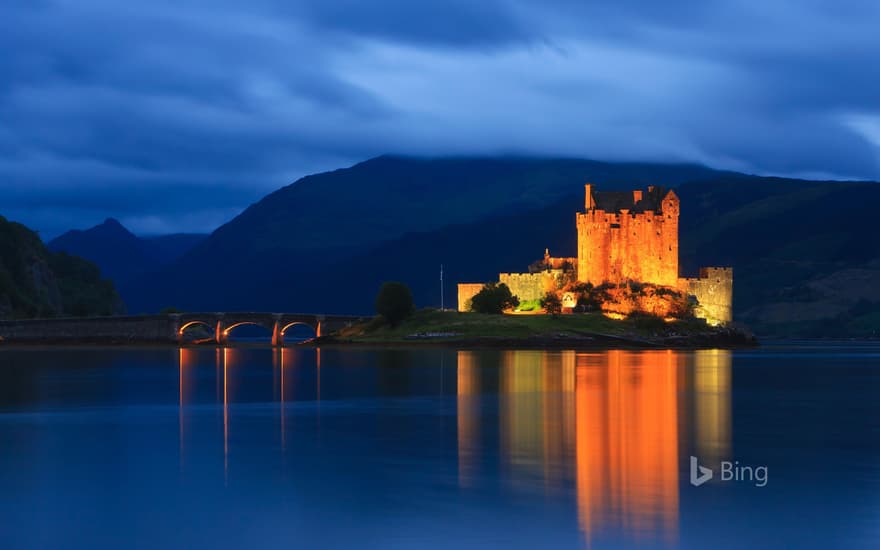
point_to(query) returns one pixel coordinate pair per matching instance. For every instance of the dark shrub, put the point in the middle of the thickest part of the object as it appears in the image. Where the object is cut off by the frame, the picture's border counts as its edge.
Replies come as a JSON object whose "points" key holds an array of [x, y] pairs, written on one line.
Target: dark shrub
{"points": [[551, 304], [394, 302], [493, 298]]}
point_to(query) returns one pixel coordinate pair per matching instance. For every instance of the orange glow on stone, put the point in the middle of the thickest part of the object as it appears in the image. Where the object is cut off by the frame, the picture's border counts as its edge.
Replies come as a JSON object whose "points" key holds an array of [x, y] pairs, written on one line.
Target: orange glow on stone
{"points": [[621, 245]]}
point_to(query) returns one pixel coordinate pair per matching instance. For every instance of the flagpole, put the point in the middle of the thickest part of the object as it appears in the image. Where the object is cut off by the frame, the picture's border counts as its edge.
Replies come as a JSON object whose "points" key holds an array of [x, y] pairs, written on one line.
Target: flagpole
{"points": [[441, 288]]}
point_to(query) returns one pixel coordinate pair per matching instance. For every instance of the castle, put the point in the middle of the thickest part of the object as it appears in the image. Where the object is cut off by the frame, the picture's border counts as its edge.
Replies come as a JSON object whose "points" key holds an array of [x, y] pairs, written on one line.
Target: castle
{"points": [[623, 236]]}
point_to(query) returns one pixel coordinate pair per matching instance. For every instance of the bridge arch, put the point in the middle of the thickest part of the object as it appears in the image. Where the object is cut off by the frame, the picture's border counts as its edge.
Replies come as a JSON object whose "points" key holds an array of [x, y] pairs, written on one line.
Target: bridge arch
{"points": [[283, 327], [181, 332], [227, 330]]}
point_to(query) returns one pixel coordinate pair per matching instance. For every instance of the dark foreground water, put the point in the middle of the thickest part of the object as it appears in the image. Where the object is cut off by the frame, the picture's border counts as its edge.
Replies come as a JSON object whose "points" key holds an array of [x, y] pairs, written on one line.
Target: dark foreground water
{"points": [[254, 448]]}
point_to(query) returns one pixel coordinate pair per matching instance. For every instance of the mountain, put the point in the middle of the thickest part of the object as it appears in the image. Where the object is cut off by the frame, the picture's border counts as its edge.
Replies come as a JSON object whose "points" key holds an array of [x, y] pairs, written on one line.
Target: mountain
{"points": [[383, 198], [118, 252], [291, 238], [36, 282], [122, 256], [805, 260], [167, 248], [804, 263]]}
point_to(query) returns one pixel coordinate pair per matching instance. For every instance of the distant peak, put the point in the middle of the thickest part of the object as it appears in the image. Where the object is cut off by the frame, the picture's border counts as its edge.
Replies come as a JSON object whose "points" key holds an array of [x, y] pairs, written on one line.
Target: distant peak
{"points": [[113, 222], [111, 226]]}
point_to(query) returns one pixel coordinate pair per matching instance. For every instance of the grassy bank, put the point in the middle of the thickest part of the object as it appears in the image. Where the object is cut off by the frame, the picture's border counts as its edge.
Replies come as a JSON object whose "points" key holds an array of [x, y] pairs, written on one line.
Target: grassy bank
{"points": [[432, 326]]}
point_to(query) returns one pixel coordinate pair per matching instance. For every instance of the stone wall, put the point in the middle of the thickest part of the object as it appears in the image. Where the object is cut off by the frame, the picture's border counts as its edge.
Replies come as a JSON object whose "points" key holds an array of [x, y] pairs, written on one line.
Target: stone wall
{"points": [[530, 286], [466, 291], [713, 289], [122, 329]]}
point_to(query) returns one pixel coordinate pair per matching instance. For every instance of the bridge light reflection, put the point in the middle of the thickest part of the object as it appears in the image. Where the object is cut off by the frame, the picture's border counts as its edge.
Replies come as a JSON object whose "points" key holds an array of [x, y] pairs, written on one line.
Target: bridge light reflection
{"points": [[187, 361], [180, 403], [225, 415], [225, 361]]}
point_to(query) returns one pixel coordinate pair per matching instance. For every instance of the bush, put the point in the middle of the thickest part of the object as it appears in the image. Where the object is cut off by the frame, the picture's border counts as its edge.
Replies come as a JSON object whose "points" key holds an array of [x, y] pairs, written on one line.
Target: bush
{"points": [[493, 298], [551, 304], [588, 297], [394, 302], [529, 305]]}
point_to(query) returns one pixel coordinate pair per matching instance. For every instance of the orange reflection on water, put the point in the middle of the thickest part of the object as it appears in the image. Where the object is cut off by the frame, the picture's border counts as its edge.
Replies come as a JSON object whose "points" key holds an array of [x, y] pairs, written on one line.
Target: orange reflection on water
{"points": [[712, 421], [616, 423], [286, 360], [468, 390], [186, 363], [627, 442], [225, 415], [521, 397], [283, 412], [558, 419]]}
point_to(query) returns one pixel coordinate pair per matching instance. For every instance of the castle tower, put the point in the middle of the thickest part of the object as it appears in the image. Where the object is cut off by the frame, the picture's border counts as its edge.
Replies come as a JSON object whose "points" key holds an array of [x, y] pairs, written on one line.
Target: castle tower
{"points": [[628, 236]]}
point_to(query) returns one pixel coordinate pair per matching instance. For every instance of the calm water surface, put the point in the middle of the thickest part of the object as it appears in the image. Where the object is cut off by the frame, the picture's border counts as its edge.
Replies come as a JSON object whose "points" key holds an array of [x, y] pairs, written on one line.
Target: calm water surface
{"points": [[255, 448]]}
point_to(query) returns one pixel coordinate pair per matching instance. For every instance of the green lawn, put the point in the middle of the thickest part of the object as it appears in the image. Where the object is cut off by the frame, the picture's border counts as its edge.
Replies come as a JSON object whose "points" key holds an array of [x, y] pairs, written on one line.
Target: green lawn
{"points": [[471, 325]]}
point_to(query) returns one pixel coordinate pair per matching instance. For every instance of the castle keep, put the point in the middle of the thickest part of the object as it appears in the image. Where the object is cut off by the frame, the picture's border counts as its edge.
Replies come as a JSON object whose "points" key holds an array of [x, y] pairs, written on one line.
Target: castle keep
{"points": [[623, 237], [628, 236]]}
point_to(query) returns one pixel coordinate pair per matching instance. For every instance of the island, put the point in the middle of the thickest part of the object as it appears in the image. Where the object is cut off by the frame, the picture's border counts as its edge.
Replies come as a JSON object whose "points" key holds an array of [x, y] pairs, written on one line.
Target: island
{"points": [[622, 289], [433, 327]]}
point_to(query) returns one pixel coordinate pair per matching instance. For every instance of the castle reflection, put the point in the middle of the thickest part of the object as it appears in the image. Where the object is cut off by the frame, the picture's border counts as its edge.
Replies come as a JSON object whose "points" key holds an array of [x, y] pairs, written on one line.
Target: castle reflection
{"points": [[614, 424], [626, 422], [613, 429]]}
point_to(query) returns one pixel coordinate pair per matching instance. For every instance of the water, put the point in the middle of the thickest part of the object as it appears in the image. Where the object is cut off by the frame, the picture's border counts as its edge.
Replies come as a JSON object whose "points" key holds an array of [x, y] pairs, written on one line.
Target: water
{"points": [[254, 448]]}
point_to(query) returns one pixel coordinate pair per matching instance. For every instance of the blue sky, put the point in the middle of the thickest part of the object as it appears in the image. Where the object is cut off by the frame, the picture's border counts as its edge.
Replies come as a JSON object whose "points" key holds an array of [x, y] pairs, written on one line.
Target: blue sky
{"points": [[173, 115]]}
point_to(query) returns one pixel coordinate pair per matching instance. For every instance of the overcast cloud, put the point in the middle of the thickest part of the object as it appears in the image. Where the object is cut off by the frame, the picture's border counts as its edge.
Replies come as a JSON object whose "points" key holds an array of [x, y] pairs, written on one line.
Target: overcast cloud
{"points": [[175, 115]]}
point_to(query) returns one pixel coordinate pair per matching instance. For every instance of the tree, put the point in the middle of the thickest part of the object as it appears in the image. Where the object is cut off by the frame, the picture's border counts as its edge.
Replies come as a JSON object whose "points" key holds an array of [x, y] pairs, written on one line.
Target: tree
{"points": [[589, 298], [551, 304], [493, 298], [394, 302]]}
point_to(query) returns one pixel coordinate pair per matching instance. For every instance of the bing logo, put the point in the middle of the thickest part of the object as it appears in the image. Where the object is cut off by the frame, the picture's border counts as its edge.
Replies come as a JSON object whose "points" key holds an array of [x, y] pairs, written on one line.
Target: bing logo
{"points": [[699, 474], [730, 471]]}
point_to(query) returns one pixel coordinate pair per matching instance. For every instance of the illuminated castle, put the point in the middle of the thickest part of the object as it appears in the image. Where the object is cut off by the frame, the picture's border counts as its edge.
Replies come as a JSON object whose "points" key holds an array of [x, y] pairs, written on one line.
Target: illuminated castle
{"points": [[623, 236], [628, 236]]}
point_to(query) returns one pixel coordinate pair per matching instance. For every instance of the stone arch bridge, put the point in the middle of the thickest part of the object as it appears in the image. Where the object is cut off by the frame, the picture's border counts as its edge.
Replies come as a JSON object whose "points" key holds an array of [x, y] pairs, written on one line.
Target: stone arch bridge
{"points": [[164, 328]]}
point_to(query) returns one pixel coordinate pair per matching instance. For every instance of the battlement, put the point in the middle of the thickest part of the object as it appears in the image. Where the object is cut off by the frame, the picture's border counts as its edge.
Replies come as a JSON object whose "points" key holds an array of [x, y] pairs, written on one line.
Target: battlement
{"points": [[720, 273]]}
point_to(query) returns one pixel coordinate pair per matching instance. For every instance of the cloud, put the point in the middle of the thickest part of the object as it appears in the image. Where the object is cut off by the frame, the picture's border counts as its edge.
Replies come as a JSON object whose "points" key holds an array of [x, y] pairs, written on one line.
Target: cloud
{"points": [[175, 115]]}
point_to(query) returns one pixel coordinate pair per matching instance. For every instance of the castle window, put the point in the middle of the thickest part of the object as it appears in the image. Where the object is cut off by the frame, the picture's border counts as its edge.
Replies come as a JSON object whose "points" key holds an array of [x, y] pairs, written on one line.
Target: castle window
{"points": [[615, 226]]}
